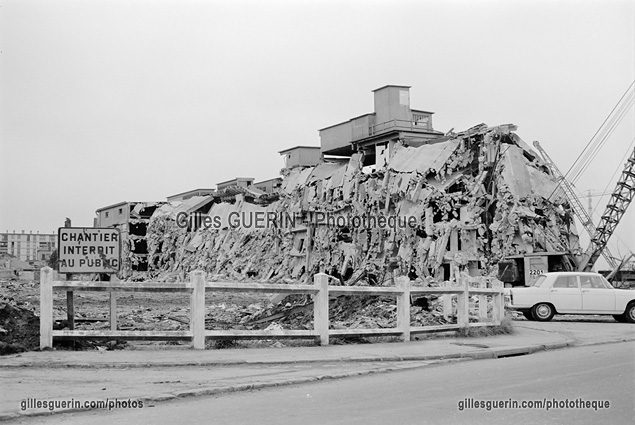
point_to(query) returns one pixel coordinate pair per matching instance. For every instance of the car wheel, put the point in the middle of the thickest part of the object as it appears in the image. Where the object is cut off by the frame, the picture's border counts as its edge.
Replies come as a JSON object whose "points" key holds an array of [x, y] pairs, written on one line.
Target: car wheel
{"points": [[528, 315], [629, 313], [619, 317], [542, 312]]}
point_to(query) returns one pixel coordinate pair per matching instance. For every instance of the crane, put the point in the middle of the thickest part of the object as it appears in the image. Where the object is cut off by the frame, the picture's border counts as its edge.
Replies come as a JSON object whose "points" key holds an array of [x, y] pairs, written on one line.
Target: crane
{"points": [[589, 196], [578, 209], [524, 268], [615, 209]]}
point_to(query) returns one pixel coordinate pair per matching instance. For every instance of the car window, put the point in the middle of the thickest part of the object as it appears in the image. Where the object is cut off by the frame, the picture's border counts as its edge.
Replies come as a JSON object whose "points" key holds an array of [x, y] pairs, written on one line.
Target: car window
{"points": [[561, 282], [585, 282], [597, 282], [565, 282], [539, 281]]}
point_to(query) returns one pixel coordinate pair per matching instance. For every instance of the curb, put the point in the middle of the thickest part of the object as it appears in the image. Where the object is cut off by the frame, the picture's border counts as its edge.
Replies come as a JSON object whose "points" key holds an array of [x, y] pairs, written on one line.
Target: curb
{"points": [[480, 354]]}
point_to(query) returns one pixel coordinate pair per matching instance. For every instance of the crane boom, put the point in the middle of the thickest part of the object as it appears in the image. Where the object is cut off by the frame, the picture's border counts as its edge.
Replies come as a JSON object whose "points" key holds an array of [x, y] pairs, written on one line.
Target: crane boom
{"points": [[615, 209], [578, 209]]}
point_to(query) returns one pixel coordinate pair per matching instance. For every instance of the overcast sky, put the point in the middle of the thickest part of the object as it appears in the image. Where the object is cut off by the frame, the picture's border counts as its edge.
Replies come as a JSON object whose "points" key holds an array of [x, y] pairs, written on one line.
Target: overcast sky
{"points": [[109, 101]]}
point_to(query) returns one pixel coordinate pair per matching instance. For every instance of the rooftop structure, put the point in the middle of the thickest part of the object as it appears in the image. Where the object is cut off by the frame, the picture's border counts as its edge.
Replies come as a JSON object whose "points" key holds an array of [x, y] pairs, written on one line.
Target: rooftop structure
{"points": [[191, 193], [238, 181], [301, 156], [375, 133], [270, 185]]}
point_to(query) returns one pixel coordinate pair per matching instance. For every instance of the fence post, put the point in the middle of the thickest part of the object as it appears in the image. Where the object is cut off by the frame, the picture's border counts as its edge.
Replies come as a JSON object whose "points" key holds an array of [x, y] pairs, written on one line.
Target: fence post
{"points": [[447, 298], [46, 307], [447, 301], [482, 301], [70, 310], [501, 304], [321, 307], [498, 302], [197, 309], [463, 305], [113, 305], [403, 307], [113, 311]]}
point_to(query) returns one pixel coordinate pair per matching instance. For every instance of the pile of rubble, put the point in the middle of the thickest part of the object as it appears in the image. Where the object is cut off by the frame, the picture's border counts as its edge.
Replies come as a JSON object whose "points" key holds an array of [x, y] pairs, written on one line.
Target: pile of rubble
{"points": [[471, 198], [347, 312], [19, 329]]}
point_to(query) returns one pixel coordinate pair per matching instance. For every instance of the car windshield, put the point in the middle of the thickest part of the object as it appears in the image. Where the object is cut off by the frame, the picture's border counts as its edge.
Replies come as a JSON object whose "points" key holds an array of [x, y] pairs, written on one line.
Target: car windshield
{"points": [[539, 281]]}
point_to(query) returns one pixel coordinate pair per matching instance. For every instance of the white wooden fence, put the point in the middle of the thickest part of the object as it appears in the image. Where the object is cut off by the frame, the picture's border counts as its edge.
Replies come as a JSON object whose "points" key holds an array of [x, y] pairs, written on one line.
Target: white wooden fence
{"points": [[320, 290]]}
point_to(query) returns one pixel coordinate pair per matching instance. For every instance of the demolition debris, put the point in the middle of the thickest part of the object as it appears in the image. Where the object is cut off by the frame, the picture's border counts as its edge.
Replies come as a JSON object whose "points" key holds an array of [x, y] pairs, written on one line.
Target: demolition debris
{"points": [[475, 199], [270, 219]]}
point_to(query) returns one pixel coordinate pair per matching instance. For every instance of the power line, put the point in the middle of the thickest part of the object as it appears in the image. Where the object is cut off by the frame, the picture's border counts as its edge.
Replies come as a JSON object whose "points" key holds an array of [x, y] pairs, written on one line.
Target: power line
{"points": [[601, 135], [606, 133]]}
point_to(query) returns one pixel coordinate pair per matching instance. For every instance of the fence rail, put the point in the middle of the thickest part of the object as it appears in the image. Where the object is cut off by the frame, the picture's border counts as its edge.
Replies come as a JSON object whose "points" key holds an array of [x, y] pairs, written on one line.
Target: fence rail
{"points": [[320, 290], [396, 124]]}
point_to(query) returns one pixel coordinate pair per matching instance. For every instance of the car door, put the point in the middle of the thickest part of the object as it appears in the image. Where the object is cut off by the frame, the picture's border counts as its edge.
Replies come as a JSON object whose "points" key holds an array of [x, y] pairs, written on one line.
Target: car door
{"points": [[565, 294], [596, 296]]}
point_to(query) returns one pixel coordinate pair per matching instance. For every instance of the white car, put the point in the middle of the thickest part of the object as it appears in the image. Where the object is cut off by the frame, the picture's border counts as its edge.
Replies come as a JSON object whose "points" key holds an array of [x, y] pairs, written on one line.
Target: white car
{"points": [[571, 293]]}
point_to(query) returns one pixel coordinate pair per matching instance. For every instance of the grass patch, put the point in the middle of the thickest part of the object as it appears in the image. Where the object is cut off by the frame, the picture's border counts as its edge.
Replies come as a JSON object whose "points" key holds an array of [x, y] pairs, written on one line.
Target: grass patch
{"points": [[505, 328]]}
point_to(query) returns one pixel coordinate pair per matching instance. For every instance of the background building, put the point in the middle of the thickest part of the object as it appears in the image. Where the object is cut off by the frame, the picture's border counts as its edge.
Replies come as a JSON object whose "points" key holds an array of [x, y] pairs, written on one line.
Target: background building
{"points": [[30, 247]]}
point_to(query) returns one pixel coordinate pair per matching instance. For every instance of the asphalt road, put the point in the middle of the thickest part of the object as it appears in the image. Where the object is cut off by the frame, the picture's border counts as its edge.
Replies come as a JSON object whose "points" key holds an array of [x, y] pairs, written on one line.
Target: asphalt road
{"points": [[421, 396]]}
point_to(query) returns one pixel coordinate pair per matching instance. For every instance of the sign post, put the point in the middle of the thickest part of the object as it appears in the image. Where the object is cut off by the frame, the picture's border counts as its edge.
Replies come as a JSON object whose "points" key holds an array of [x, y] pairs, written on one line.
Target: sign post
{"points": [[70, 297]]}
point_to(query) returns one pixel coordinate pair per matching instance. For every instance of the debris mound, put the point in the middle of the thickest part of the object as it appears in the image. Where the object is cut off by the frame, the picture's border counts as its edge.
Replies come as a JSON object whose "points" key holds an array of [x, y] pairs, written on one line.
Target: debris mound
{"points": [[19, 329], [475, 199], [346, 312]]}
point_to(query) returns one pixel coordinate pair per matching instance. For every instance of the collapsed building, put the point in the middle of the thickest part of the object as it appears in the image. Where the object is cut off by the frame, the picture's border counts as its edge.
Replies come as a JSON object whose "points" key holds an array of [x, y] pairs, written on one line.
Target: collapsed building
{"points": [[131, 218], [475, 198], [384, 194]]}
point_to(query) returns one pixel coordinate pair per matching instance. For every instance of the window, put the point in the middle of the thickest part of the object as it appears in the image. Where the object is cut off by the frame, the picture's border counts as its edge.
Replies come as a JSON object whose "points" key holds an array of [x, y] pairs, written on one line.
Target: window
{"points": [[539, 281], [120, 211], [106, 214], [565, 282], [597, 282]]}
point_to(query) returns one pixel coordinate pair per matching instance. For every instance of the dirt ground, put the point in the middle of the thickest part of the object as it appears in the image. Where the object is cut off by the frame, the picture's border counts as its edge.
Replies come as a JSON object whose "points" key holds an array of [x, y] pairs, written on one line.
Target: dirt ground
{"points": [[19, 316], [19, 313]]}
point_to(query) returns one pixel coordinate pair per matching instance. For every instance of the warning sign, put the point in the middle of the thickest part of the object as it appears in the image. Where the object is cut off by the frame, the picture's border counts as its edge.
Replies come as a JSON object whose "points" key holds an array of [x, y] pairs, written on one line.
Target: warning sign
{"points": [[88, 250]]}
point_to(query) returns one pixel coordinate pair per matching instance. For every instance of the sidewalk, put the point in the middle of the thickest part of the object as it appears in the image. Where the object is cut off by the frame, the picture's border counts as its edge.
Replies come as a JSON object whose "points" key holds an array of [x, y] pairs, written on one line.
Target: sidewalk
{"points": [[159, 375]]}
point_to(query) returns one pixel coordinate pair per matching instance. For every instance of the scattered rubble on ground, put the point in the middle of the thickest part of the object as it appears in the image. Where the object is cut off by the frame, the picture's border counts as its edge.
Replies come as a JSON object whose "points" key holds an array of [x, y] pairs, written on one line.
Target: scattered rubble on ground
{"points": [[19, 323], [19, 329]]}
